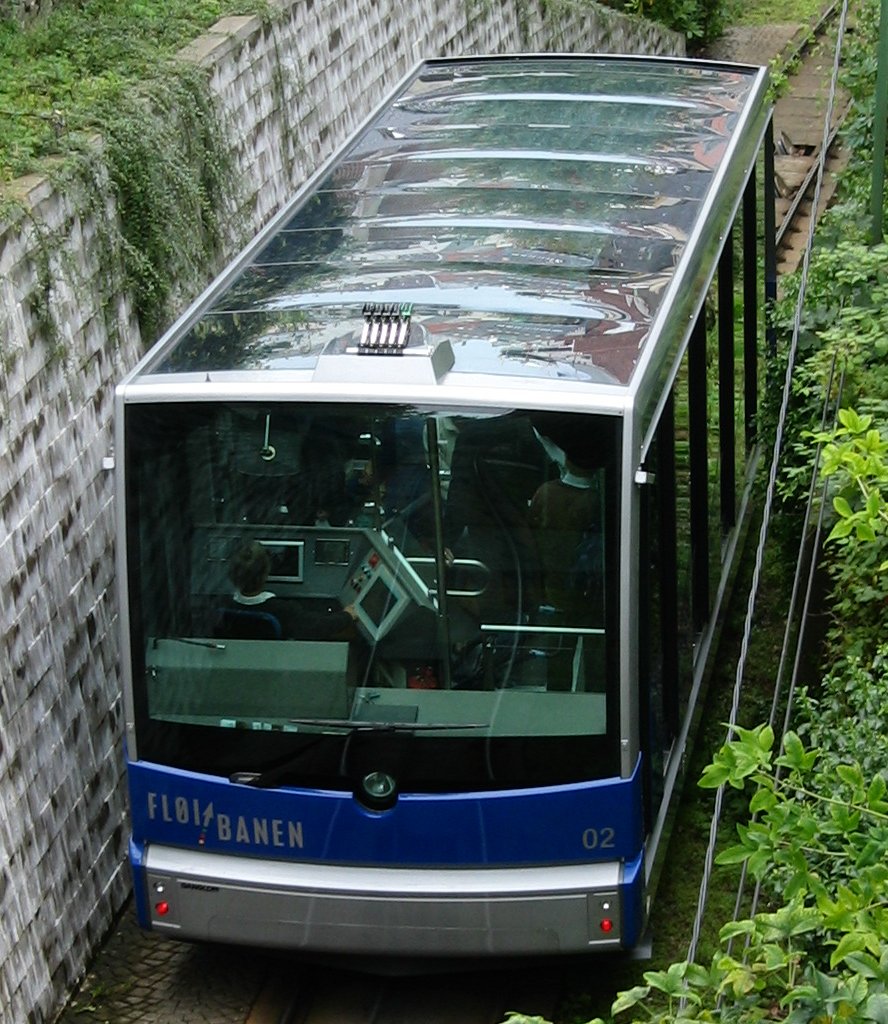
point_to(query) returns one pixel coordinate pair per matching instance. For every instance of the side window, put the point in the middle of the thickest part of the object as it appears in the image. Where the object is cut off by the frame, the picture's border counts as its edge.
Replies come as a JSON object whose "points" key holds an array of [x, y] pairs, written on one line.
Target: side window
{"points": [[675, 435], [699, 465], [664, 621]]}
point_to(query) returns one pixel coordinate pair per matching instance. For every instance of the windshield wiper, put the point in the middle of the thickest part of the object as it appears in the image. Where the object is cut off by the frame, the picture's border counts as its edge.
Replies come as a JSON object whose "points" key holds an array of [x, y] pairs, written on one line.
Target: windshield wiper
{"points": [[272, 776], [359, 725], [212, 644]]}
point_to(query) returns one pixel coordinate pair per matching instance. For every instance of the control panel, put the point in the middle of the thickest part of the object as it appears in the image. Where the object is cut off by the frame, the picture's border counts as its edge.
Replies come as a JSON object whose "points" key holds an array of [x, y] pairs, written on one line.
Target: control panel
{"points": [[379, 599]]}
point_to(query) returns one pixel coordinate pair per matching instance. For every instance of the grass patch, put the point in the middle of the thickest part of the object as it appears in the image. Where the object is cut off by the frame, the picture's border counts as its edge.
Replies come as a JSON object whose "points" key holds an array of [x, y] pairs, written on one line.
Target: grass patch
{"points": [[61, 75], [778, 12]]}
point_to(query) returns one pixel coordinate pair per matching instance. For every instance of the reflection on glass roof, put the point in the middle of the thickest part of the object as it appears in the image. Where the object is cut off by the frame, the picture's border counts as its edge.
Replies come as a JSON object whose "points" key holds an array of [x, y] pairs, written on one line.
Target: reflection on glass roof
{"points": [[533, 212]]}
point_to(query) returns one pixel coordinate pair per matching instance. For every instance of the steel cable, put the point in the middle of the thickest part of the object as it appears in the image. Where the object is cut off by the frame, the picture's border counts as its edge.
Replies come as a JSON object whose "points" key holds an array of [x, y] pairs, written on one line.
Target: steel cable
{"points": [[778, 686], [769, 496]]}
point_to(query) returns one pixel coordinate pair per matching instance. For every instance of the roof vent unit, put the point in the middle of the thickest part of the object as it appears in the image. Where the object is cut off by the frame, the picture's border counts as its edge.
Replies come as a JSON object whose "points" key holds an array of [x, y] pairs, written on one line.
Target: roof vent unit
{"points": [[388, 330]]}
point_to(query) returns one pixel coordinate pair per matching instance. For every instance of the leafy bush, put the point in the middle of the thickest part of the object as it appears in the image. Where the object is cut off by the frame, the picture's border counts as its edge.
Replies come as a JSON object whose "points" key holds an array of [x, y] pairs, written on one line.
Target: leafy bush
{"points": [[173, 175], [847, 717], [846, 314], [856, 460], [820, 827], [108, 67], [843, 335], [699, 20]]}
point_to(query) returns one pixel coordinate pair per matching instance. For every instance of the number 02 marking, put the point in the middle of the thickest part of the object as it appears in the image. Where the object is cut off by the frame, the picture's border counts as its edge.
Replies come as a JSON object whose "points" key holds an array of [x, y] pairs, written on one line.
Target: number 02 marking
{"points": [[599, 838]]}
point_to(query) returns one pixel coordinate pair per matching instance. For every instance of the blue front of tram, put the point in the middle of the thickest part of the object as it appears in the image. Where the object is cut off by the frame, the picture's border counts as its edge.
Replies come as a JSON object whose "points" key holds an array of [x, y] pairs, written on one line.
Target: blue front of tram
{"points": [[554, 870], [420, 752]]}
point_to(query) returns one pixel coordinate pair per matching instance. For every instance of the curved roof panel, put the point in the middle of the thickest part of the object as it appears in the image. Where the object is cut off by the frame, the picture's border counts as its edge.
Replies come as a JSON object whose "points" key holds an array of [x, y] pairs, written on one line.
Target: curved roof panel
{"points": [[534, 212]]}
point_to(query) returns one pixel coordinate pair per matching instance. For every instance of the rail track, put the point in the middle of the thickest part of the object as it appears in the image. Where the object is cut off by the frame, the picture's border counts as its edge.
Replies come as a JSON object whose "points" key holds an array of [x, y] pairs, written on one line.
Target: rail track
{"points": [[798, 131], [332, 996], [796, 169]]}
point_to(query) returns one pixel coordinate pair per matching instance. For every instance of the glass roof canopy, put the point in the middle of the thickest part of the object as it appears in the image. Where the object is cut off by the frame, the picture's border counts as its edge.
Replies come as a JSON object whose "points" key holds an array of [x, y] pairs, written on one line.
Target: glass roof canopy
{"points": [[535, 211]]}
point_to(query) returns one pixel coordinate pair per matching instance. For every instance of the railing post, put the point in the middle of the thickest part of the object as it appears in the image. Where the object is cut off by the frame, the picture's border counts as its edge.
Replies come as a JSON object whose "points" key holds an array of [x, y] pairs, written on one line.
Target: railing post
{"points": [[880, 114]]}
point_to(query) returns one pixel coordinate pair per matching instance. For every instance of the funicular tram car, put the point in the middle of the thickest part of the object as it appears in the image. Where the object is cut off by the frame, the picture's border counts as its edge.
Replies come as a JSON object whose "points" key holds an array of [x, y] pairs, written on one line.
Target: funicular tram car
{"points": [[426, 511]]}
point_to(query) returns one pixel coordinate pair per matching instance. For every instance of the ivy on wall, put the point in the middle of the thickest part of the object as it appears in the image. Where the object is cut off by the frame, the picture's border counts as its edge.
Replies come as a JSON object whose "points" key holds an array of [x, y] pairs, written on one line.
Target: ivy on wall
{"points": [[173, 176], [107, 69], [166, 163]]}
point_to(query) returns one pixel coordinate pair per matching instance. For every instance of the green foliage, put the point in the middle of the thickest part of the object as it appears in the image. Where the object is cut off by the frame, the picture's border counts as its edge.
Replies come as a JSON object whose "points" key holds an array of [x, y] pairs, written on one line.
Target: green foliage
{"points": [[817, 837], [60, 75], [774, 12], [855, 456], [856, 459], [845, 318], [843, 337], [699, 20], [173, 177], [819, 834], [818, 828], [860, 61], [41, 298], [107, 68], [854, 690]]}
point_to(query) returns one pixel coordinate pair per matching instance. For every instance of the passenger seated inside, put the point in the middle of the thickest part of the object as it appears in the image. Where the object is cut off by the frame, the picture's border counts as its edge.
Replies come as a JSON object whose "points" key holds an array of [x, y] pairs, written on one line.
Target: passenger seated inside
{"points": [[318, 491], [497, 466], [336, 479], [566, 517], [257, 613]]}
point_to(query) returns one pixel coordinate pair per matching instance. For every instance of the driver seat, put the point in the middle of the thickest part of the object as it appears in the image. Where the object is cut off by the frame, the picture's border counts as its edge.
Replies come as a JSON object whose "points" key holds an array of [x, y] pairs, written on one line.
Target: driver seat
{"points": [[247, 624]]}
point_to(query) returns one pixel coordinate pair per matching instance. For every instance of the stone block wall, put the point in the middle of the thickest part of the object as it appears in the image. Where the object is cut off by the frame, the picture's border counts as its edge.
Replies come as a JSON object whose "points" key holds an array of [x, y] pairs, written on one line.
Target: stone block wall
{"points": [[290, 90], [62, 832], [23, 11]]}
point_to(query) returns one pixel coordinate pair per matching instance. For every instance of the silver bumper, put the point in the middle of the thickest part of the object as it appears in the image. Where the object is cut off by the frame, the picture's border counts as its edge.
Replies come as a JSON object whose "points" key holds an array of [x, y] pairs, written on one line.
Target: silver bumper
{"points": [[383, 911]]}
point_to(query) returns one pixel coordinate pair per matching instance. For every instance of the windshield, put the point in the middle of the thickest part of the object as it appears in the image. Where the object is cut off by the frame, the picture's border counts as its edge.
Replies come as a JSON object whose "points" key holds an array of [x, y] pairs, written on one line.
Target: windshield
{"points": [[315, 589]]}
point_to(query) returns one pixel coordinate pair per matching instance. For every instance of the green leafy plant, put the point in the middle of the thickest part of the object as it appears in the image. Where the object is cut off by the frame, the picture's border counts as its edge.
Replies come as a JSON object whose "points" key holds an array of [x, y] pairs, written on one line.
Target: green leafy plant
{"points": [[855, 456], [173, 175], [854, 690], [843, 339], [855, 461], [108, 68], [818, 832], [698, 20]]}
